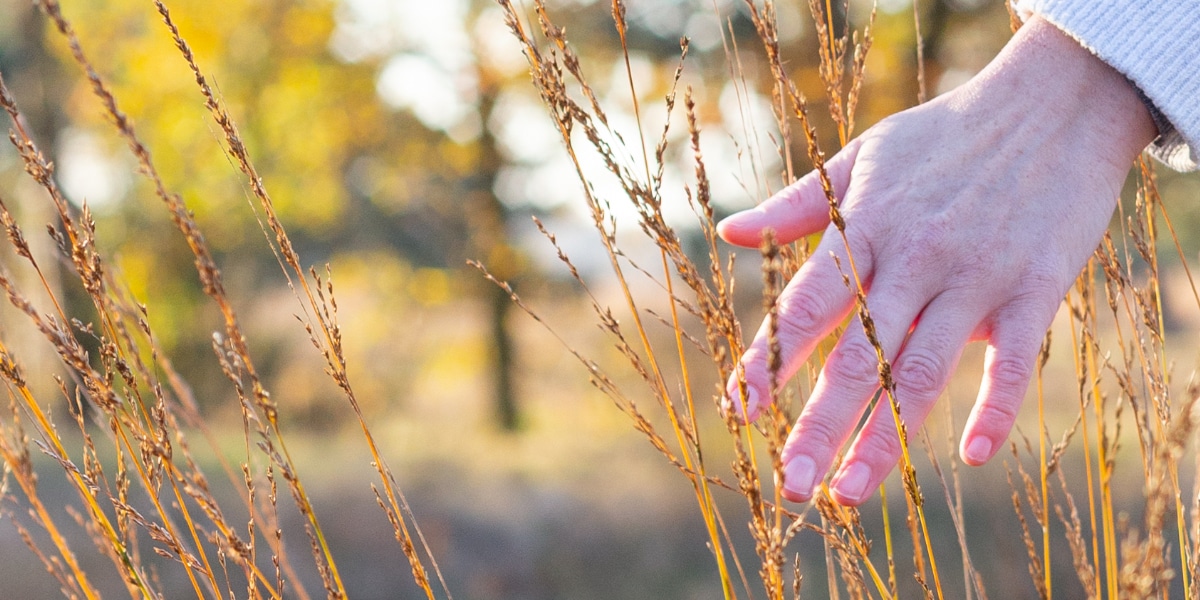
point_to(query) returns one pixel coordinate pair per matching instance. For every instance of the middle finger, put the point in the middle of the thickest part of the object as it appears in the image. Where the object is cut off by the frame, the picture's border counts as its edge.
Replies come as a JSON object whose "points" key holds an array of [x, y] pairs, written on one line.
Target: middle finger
{"points": [[844, 388]]}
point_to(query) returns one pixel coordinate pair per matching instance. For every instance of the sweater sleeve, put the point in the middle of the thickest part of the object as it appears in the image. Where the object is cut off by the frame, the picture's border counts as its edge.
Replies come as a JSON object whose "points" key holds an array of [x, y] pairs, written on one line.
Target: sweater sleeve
{"points": [[1156, 45]]}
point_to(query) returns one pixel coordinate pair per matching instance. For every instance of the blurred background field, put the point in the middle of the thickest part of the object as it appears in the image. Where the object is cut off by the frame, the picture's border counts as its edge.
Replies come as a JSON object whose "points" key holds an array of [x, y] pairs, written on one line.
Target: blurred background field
{"points": [[400, 139]]}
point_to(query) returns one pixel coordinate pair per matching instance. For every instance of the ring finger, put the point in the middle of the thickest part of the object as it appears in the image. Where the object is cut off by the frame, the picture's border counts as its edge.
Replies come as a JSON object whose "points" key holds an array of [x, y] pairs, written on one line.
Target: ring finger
{"points": [[847, 382], [920, 373]]}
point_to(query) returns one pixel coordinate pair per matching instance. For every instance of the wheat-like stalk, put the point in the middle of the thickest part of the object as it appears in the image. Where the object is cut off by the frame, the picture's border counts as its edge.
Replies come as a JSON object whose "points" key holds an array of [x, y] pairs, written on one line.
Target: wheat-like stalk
{"points": [[1110, 559], [143, 415]]}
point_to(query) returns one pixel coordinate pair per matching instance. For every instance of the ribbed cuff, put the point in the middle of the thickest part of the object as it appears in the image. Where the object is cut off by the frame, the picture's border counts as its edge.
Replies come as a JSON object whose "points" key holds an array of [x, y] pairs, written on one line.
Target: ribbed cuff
{"points": [[1161, 123], [1156, 45]]}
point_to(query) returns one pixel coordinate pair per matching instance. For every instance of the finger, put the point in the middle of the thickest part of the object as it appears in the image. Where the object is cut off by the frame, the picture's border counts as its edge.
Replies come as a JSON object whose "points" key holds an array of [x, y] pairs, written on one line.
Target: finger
{"points": [[844, 389], [814, 302], [796, 211], [920, 372], [1009, 364]]}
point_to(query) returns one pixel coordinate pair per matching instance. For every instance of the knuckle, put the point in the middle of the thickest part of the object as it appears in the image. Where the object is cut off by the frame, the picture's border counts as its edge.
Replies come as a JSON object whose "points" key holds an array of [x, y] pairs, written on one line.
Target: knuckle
{"points": [[881, 448], [820, 435], [974, 270], [921, 372], [999, 414], [801, 315], [1011, 374], [797, 195], [930, 251], [855, 363], [1041, 282], [935, 235], [859, 241]]}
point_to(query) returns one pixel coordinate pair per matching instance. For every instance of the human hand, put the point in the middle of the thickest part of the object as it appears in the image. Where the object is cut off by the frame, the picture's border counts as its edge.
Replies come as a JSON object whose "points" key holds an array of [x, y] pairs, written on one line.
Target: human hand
{"points": [[968, 218]]}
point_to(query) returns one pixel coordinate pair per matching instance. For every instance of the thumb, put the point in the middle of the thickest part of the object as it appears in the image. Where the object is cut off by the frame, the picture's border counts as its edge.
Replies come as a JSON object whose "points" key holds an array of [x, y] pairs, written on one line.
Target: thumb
{"points": [[797, 210]]}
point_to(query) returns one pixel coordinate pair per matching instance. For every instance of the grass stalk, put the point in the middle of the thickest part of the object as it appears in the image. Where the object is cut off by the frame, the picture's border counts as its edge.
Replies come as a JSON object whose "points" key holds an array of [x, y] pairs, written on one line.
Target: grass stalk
{"points": [[156, 497]]}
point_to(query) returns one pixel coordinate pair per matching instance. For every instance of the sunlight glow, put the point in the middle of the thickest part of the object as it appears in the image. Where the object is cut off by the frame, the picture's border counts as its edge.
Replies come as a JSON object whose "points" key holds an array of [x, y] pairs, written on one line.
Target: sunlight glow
{"points": [[89, 172]]}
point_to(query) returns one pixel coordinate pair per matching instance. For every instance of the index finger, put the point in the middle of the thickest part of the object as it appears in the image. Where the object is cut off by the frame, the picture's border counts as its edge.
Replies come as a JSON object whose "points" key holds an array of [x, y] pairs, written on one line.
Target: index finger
{"points": [[814, 302], [796, 211]]}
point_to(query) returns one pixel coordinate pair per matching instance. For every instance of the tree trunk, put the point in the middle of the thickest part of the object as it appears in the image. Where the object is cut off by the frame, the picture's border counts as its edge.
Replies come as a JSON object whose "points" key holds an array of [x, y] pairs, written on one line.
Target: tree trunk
{"points": [[489, 239]]}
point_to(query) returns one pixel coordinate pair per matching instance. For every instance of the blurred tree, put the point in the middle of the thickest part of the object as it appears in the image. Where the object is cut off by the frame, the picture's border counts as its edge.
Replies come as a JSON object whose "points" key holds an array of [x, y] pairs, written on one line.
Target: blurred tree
{"points": [[400, 128], [35, 76], [347, 171], [490, 240]]}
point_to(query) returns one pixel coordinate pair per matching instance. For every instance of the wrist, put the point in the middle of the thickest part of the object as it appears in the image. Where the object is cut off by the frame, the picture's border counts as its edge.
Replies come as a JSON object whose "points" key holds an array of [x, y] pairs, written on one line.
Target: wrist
{"points": [[1068, 92]]}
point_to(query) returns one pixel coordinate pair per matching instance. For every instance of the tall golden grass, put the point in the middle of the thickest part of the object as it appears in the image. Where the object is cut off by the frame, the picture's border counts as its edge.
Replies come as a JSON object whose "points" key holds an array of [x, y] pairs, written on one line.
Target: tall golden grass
{"points": [[145, 411], [1122, 384], [144, 494]]}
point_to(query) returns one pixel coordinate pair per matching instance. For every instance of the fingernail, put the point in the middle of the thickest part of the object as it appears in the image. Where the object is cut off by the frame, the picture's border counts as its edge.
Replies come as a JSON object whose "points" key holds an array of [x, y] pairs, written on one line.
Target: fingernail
{"points": [[978, 450], [732, 405], [851, 483], [751, 404], [731, 221], [799, 476]]}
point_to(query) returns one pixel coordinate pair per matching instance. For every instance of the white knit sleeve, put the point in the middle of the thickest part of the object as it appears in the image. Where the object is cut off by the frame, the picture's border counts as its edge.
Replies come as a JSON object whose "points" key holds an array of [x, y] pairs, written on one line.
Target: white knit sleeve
{"points": [[1154, 43]]}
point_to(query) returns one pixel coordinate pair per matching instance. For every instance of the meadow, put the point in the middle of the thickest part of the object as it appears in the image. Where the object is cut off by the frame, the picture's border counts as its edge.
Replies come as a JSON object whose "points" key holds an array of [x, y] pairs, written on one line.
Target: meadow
{"points": [[185, 421]]}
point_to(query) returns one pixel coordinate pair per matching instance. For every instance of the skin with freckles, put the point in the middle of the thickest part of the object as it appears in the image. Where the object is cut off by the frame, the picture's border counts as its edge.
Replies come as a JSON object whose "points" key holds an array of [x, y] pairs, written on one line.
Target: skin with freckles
{"points": [[968, 219]]}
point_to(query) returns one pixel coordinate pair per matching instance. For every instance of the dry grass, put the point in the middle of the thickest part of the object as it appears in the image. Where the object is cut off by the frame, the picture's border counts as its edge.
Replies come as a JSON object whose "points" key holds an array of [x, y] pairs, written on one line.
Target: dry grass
{"points": [[1124, 385], [144, 491], [128, 446]]}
